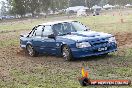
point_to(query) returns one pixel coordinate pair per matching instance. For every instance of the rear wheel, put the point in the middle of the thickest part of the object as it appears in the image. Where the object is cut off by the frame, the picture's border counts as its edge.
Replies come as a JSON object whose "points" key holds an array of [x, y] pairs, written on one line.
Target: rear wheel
{"points": [[31, 51], [66, 52]]}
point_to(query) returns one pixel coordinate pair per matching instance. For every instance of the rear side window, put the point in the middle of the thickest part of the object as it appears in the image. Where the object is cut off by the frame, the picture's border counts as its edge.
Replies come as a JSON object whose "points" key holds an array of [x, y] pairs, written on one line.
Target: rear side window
{"points": [[38, 31], [47, 31]]}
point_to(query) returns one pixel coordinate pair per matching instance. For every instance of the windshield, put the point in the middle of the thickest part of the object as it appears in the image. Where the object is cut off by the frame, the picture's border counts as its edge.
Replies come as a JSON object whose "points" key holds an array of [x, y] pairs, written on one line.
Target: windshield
{"points": [[68, 27]]}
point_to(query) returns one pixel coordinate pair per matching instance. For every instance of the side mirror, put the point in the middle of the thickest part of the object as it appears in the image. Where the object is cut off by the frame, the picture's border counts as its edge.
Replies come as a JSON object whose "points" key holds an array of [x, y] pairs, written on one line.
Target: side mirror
{"points": [[51, 36]]}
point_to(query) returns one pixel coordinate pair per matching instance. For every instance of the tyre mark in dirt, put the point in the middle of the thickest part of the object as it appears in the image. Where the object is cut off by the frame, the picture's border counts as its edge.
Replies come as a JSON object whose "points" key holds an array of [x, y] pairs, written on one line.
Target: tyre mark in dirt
{"points": [[124, 38]]}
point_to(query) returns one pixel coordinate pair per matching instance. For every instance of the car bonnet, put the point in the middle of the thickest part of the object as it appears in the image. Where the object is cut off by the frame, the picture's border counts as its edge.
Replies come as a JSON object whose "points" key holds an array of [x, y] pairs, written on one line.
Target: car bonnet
{"points": [[86, 35]]}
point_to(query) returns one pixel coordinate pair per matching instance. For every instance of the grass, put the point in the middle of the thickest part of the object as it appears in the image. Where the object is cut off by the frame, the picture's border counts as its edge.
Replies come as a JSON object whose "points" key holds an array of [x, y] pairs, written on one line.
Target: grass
{"points": [[54, 74], [24, 24], [19, 25], [10, 42], [108, 23]]}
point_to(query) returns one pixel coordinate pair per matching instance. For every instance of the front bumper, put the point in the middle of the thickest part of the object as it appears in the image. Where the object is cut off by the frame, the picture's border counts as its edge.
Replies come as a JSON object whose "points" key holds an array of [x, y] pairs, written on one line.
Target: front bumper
{"points": [[93, 51]]}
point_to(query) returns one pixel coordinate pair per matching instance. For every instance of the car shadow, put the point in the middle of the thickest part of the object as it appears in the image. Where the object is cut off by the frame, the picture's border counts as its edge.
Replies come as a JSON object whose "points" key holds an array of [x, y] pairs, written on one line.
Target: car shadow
{"points": [[94, 58], [90, 58]]}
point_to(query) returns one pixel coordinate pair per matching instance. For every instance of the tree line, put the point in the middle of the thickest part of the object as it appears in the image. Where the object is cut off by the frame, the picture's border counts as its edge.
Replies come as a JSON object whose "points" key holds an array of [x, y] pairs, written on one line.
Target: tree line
{"points": [[21, 7]]}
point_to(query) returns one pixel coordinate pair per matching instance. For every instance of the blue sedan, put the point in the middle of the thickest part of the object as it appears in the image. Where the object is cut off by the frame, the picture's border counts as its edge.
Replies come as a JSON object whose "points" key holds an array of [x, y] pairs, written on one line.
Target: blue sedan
{"points": [[70, 39]]}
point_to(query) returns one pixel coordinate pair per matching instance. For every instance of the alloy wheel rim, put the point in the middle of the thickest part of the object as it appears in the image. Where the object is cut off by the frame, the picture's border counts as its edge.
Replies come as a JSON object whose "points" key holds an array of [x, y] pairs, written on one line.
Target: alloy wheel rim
{"points": [[30, 50], [65, 53]]}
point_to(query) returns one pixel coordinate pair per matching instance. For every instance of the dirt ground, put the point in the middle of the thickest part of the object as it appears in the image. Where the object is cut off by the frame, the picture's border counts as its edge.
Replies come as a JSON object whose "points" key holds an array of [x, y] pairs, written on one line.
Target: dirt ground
{"points": [[124, 38], [13, 57]]}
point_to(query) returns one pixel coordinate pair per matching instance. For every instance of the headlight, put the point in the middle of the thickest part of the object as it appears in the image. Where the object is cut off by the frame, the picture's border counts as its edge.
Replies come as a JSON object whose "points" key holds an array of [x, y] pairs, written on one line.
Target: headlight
{"points": [[83, 45], [112, 39]]}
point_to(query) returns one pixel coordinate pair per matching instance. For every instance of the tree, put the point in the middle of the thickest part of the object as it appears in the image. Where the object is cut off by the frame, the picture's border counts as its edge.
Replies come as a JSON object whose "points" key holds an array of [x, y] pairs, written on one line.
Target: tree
{"points": [[32, 6], [22, 7], [3, 8], [19, 7], [91, 3], [114, 2], [87, 3], [45, 5], [77, 2]]}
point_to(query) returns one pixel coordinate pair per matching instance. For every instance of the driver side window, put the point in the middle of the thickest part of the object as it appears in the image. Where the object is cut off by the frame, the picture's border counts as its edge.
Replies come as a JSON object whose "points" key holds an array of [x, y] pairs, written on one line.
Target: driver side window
{"points": [[58, 28]]}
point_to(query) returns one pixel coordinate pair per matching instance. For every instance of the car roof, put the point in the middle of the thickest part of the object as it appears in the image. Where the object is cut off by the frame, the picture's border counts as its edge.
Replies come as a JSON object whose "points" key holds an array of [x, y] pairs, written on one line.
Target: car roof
{"points": [[55, 22]]}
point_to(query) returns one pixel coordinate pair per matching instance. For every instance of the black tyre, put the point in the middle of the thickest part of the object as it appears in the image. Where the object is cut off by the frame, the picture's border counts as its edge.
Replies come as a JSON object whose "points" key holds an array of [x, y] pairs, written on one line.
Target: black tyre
{"points": [[66, 53], [104, 54], [31, 51]]}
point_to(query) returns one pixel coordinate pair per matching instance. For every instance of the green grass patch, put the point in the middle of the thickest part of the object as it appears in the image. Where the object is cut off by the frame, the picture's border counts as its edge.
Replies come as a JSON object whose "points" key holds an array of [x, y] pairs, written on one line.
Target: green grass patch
{"points": [[43, 77], [10, 42], [19, 25], [108, 23]]}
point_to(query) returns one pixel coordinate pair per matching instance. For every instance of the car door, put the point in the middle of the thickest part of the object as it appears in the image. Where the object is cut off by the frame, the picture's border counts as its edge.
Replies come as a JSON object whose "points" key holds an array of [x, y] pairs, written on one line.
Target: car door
{"points": [[37, 39], [49, 43]]}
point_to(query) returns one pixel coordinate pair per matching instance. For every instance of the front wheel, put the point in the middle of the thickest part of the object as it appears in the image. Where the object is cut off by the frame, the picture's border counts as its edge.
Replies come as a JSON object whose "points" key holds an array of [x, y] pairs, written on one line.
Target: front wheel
{"points": [[66, 53], [31, 51]]}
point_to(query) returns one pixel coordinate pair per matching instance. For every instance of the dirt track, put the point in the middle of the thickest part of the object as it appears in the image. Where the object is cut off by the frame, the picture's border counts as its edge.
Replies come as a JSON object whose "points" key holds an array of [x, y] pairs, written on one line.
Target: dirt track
{"points": [[12, 57]]}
